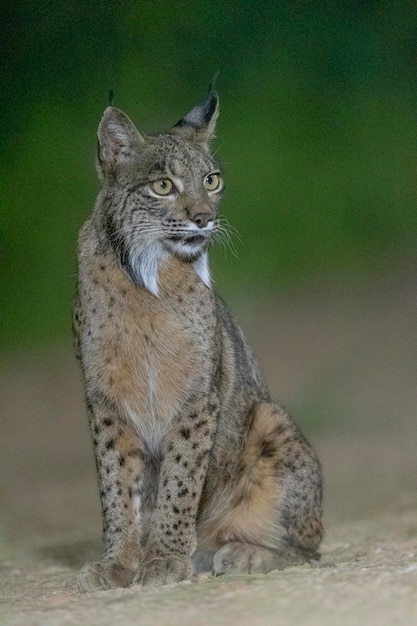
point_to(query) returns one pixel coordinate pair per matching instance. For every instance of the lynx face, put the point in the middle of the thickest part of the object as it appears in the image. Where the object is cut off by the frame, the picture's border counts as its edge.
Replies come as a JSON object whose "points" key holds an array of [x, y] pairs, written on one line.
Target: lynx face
{"points": [[160, 192]]}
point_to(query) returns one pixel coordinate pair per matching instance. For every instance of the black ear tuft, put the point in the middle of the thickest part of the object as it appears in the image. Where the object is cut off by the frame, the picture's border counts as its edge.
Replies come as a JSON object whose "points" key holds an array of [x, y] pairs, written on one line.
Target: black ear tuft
{"points": [[213, 82], [210, 107], [199, 124]]}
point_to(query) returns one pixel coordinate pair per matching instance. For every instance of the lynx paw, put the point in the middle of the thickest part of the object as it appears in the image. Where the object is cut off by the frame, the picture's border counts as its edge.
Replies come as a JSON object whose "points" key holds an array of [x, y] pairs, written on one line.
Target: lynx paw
{"points": [[103, 575], [164, 570], [243, 558]]}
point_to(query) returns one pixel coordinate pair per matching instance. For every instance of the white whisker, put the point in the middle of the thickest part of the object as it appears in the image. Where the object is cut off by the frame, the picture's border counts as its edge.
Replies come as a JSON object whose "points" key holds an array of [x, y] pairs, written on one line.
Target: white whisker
{"points": [[224, 235]]}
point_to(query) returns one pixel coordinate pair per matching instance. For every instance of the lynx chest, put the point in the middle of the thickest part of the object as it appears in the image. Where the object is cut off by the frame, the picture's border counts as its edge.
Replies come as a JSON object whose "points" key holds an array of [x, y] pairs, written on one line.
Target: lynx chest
{"points": [[148, 354]]}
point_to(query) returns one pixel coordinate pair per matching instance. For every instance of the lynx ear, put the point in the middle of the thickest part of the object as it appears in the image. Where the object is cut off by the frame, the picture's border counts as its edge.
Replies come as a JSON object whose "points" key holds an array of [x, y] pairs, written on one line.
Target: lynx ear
{"points": [[199, 124], [118, 140]]}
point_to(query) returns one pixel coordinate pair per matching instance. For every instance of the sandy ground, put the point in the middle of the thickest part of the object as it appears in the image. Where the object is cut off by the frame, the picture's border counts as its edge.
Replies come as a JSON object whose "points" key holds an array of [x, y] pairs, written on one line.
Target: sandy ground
{"points": [[342, 358]]}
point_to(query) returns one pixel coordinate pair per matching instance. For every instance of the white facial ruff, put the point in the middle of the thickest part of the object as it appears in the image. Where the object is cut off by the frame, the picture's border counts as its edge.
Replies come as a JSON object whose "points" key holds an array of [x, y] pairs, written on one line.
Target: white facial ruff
{"points": [[145, 264], [201, 266]]}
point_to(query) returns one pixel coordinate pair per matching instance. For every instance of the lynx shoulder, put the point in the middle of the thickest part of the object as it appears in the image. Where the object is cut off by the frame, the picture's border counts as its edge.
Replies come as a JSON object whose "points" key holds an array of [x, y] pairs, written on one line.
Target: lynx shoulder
{"points": [[197, 468]]}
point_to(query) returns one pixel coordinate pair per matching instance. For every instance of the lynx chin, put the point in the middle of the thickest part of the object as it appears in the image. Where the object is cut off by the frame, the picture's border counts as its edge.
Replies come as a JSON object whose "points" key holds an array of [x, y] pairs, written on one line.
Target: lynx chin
{"points": [[198, 469]]}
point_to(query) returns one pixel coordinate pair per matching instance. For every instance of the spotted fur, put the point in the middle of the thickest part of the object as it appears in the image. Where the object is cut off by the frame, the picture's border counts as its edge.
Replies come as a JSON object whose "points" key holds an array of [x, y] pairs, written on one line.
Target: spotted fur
{"points": [[197, 468]]}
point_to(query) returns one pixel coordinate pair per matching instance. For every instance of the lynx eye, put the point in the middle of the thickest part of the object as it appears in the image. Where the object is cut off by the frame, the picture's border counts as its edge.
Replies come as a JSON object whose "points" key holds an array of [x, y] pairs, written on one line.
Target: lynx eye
{"points": [[212, 182], [162, 187]]}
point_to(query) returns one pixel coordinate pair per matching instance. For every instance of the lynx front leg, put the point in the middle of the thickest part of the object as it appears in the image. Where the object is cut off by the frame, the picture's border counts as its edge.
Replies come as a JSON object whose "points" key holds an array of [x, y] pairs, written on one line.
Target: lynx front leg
{"points": [[172, 539], [119, 466]]}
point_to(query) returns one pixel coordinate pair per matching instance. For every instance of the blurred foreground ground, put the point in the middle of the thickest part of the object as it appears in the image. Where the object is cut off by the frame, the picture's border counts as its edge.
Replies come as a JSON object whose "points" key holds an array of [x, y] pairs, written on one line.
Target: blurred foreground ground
{"points": [[341, 356]]}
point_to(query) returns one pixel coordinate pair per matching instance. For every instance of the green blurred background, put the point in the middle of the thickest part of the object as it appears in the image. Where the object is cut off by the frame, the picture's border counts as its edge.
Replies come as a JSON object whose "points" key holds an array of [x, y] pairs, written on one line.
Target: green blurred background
{"points": [[316, 140], [316, 134]]}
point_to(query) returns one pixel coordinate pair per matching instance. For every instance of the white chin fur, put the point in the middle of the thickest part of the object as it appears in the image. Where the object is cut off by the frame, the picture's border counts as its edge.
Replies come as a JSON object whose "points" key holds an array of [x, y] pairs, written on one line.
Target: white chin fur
{"points": [[187, 251]]}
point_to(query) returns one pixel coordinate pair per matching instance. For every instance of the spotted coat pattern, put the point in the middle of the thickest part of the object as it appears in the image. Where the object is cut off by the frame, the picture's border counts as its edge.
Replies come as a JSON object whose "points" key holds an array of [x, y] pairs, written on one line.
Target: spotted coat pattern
{"points": [[197, 468]]}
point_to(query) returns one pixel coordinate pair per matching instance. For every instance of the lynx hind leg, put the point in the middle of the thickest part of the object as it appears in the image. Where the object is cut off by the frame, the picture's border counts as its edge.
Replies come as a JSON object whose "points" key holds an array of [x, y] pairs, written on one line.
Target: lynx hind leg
{"points": [[275, 519]]}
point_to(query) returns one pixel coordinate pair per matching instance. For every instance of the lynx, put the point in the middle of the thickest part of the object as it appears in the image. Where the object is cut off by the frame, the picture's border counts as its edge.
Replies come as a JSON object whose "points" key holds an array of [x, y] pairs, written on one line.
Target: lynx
{"points": [[198, 470]]}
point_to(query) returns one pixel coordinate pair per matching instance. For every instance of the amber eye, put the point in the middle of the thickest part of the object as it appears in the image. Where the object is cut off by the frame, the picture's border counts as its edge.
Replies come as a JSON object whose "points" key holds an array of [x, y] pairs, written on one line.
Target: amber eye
{"points": [[162, 187], [212, 182]]}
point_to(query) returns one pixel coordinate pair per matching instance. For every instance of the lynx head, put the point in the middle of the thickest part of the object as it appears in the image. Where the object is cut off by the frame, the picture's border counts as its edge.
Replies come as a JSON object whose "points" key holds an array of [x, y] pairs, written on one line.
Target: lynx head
{"points": [[159, 192]]}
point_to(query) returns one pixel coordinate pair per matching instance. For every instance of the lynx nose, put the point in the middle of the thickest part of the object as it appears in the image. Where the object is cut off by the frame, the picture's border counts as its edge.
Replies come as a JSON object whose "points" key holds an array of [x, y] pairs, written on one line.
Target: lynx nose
{"points": [[202, 219]]}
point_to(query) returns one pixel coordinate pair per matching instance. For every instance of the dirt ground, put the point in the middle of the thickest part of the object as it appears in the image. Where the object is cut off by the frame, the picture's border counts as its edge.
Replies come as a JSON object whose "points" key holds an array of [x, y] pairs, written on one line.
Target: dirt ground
{"points": [[339, 355]]}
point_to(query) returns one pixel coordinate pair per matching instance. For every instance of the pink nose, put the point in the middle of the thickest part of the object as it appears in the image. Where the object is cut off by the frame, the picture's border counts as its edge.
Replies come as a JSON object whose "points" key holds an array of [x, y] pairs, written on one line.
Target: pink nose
{"points": [[201, 219]]}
